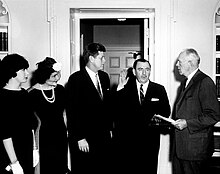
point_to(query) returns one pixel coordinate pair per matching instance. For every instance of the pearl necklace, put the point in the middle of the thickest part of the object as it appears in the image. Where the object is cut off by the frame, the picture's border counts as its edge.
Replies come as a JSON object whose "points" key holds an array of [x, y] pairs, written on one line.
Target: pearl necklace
{"points": [[49, 99]]}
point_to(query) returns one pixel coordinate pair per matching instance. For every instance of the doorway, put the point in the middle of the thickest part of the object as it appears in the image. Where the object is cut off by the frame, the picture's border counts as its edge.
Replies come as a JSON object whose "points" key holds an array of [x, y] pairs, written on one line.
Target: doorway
{"points": [[126, 33]]}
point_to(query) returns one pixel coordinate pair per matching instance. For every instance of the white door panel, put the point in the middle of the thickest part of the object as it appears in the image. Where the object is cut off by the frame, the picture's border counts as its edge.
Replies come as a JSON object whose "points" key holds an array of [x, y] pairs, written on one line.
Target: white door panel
{"points": [[116, 61]]}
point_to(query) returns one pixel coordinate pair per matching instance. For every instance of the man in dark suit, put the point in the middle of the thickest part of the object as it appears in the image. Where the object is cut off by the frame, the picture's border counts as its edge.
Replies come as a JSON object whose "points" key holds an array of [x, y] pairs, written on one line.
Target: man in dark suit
{"points": [[138, 142], [196, 112], [88, 123]]}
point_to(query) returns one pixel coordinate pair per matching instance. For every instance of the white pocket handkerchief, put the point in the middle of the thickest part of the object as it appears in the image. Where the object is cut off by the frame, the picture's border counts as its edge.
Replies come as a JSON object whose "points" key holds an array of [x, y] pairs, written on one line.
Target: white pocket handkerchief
{"points": [[155, 99]]}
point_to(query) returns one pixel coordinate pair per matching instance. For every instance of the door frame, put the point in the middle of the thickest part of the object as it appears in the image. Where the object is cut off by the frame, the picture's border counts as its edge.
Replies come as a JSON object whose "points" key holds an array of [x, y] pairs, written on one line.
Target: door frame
{"points": [[91, 13]]}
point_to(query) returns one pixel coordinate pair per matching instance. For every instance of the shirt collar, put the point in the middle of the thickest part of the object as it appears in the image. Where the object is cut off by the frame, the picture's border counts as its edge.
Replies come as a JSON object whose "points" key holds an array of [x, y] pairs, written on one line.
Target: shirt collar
{"points": [[90, 72], [92, 75], [190, 76], [145, 85]]}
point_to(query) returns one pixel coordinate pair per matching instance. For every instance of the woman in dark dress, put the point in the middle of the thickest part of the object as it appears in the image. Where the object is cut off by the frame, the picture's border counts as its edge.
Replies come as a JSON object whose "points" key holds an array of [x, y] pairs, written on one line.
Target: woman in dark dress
{"points": [[48, 102], [16, 118]]}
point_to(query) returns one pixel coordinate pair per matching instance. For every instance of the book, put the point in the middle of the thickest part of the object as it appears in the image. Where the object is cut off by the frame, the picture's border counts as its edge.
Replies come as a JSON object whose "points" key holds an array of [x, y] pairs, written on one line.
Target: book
{"points": [[217, 42], [218, 85], [217, 65], [170, 120], [5, 41]]}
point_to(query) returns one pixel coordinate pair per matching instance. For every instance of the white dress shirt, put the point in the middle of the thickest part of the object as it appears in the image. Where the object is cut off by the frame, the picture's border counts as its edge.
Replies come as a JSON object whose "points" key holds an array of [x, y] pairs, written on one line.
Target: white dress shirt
{"points": [[190, 77], [145, 86], [94, 79]]}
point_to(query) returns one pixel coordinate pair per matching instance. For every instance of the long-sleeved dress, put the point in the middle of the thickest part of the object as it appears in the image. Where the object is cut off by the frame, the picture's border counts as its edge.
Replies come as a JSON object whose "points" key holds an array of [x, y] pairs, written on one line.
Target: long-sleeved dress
{"points": [[53, 132], [16, 122]]}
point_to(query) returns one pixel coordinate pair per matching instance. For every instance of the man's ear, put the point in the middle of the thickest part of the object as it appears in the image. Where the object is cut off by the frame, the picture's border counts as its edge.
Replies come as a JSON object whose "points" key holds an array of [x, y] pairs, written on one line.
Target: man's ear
{"points": [[91, 58]]}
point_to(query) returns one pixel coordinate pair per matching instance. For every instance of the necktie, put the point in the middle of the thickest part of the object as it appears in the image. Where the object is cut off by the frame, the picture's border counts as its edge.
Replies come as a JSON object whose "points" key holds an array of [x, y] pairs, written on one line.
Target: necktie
{"points": [[141, 94], [184, 84], [98, 86]]}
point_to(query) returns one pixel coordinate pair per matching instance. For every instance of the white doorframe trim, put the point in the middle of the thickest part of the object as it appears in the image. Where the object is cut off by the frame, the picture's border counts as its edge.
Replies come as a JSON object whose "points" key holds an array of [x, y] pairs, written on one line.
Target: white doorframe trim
{"points": [[77, 14]]}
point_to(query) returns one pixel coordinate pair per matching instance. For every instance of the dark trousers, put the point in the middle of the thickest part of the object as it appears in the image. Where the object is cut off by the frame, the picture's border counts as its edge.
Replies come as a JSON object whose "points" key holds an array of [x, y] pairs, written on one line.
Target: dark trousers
{"points": [[98, 160], [189, 167], [135, 159]]}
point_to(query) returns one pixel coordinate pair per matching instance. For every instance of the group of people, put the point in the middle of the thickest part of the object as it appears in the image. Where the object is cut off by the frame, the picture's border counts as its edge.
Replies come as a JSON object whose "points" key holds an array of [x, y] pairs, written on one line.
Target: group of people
{"points": [[107, 131], [23, 112]]}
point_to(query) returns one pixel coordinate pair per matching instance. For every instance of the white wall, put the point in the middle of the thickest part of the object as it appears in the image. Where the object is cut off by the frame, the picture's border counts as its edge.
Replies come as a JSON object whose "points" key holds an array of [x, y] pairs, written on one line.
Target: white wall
{"points": [[30, 30], [179, 24], [195, 28]]}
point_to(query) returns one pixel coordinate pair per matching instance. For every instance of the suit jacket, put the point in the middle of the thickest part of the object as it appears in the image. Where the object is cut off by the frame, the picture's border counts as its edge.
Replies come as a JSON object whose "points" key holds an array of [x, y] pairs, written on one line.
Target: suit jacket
{"points": [[198, 104], [86, 111], [134, 118]]}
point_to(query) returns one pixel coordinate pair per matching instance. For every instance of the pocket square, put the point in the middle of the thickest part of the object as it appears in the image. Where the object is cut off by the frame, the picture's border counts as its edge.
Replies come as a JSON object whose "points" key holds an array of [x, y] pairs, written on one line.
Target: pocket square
{"points": [[155, 99]]}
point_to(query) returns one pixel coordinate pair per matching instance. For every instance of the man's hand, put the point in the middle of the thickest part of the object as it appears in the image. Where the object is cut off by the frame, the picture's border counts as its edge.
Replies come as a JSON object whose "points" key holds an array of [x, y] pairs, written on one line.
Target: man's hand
{"points": [[122, 79], [83, 145], [180, 124]]}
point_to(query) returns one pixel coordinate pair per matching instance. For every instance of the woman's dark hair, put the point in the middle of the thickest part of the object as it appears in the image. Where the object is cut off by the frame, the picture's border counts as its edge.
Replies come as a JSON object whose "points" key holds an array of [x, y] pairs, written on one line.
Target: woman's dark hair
{"points": [[43, 71], [10, 65]]}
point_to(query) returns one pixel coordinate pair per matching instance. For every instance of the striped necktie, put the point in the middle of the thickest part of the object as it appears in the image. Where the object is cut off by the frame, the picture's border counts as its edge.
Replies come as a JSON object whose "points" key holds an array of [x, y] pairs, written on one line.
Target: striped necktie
{"points": [[141, 94]]}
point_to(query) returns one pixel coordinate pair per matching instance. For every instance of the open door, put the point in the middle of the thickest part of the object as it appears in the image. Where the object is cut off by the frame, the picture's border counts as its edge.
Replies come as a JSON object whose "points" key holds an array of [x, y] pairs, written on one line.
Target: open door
{"points": [[92, 25]]}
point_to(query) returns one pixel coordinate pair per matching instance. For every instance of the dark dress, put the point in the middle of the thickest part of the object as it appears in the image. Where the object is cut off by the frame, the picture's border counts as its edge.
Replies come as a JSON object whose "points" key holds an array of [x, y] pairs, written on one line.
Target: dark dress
{"points": [[16, 122], [53, 133]]}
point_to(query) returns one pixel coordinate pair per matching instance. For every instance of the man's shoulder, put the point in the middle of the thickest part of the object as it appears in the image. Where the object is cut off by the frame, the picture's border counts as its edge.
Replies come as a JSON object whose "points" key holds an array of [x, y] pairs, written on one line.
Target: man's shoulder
{"points": [[60, 86], [156, 84], [199, 76], [77, 74], [202, 78], [102, 72], [76, 77]]}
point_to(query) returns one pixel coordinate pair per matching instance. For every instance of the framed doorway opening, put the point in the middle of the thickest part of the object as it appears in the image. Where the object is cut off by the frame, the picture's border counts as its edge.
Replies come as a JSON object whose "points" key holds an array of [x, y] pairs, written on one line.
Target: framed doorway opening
{"points": [[125, 33]]}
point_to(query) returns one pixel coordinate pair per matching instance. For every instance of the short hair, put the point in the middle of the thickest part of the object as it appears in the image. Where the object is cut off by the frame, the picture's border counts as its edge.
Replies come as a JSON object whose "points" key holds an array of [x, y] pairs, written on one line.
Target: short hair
{"points": [[192, 53], [140, 60], [10, 65], [92, 49], [43, 71]]}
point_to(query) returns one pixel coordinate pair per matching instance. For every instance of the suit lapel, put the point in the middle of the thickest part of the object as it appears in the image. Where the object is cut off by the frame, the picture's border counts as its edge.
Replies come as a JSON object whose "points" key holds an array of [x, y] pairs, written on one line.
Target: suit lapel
{"points": [[181, 96], [149, 91], [194, 79], [89, 80], [133, 90], [90, 83], [102, 80]]}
